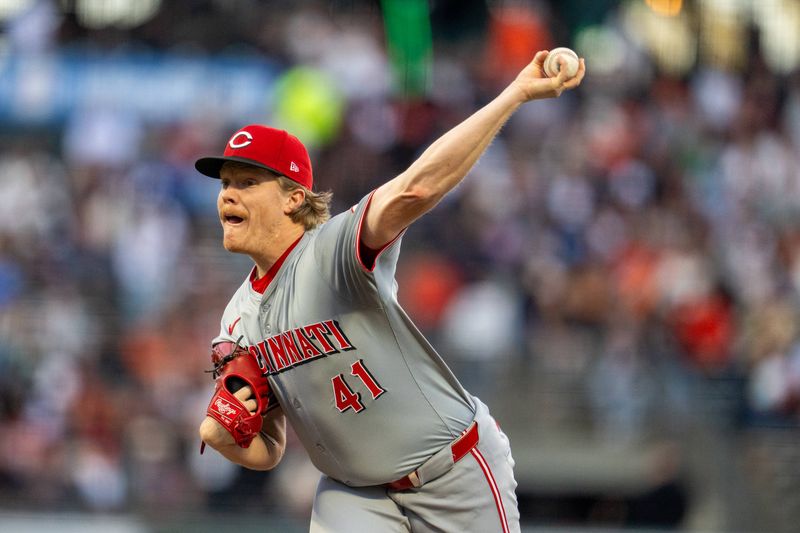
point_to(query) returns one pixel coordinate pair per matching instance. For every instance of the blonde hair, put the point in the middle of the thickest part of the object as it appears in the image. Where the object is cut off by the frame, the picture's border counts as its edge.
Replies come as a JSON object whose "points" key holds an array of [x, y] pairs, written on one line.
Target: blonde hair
{"points": [[315, 209]]}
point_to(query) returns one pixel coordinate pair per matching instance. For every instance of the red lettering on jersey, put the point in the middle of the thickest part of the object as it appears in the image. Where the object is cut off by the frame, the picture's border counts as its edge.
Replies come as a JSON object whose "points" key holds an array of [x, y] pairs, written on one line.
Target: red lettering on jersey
{"points": [[278, 351], [344, 397], [359, 370], [260, 360], [319, 332], [262, 347], [341, 338], [307, 348], [290, 347]]}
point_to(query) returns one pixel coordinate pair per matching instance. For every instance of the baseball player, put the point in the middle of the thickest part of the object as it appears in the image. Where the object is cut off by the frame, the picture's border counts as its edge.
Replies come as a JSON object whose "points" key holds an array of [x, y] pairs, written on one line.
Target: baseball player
{"points": [[315, 335]]}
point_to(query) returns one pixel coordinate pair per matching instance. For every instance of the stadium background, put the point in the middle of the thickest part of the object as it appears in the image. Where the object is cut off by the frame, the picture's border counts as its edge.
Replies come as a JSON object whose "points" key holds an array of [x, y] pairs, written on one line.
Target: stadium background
{"points": [[618, 277]]}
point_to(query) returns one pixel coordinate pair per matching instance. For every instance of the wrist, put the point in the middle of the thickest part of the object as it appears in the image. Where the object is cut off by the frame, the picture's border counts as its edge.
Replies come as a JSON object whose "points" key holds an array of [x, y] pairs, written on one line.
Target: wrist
{"points": [[515, 94]]}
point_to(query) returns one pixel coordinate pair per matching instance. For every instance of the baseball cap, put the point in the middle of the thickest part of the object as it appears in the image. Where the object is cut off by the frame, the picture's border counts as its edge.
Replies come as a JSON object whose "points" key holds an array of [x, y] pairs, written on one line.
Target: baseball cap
{"points": [[263, 147]]}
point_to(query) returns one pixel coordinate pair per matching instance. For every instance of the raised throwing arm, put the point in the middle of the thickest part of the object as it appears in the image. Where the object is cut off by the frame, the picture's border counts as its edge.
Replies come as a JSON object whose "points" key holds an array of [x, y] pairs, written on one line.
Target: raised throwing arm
{"points": [[399, 202]]}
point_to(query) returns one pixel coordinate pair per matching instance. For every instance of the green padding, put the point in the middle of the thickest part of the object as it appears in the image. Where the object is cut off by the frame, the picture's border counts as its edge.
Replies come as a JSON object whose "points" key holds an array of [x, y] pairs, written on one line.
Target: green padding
{"points": [[408, 35]]}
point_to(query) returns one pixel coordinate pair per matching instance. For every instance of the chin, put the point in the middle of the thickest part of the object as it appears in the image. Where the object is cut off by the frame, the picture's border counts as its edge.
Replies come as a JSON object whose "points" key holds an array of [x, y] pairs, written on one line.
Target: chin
{"points": [[232, 247]]}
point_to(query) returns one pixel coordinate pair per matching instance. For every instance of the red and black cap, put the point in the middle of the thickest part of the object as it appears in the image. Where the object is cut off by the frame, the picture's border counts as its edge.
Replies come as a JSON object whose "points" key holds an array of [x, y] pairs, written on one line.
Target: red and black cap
{"points": [[263, 147]]}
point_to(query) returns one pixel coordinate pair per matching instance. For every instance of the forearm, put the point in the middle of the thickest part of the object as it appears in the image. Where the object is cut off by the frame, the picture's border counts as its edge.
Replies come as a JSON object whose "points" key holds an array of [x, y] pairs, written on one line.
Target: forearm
{"points": [[264, 452], [441, 167], [445, 163]]}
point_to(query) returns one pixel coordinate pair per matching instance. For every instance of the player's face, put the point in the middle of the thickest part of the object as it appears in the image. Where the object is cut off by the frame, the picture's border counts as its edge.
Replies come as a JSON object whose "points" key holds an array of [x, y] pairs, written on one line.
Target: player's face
{"points": [[251, 209]]}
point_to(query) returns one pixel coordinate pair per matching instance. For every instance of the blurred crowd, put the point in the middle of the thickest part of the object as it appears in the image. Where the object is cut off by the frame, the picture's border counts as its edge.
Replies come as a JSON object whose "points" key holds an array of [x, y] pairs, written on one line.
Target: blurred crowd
{"points": [[643, 230]]}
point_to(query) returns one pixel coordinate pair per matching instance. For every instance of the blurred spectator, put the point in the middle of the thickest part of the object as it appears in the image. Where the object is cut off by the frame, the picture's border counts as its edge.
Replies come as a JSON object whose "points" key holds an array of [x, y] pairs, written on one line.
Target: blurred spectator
{"points": [[34, 29], [481, 327], [621, 390]]}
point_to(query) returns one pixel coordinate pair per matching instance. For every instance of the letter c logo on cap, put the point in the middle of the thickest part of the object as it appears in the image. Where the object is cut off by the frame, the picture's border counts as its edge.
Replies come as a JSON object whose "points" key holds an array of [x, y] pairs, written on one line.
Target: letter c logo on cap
{"points": [[233, 143]]}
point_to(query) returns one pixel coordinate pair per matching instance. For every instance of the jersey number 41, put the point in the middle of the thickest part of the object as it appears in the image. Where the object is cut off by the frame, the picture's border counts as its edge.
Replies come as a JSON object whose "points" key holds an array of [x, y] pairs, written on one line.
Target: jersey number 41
{"points": [[345, 398]]}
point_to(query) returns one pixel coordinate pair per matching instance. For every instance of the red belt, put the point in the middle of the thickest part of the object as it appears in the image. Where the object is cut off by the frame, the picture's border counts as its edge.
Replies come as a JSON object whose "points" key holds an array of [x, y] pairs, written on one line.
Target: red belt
{"points": [[459, 448]]}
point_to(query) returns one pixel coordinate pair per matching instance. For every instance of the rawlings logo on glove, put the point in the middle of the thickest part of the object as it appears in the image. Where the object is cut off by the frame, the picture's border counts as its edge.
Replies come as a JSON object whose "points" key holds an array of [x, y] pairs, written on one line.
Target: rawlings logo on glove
{"points": [[224, 408], [234, 368]]}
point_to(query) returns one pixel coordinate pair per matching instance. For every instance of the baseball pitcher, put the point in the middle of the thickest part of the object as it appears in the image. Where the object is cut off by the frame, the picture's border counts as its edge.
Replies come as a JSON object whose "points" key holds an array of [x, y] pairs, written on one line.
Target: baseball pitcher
{"points": [[315, 335]]}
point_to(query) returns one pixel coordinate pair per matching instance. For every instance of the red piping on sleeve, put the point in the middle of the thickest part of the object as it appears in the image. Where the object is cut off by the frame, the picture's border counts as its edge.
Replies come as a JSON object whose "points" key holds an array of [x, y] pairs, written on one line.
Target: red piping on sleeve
{"points": [[374, 254]]}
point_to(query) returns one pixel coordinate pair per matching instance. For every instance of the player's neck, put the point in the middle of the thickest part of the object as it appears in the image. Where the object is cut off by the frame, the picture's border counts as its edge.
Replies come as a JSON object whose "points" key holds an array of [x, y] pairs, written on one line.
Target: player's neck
{"points": [[275, 249]]}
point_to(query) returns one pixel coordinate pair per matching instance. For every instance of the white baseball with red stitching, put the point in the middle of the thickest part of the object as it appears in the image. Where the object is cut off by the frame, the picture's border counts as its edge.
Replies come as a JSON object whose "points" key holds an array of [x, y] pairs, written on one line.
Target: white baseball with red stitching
{"points": [[552, 65]]}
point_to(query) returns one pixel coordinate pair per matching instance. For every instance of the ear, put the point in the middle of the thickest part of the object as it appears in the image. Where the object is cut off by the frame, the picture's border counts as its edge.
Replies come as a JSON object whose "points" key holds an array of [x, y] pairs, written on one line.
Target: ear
{"points": [[293, 201]]}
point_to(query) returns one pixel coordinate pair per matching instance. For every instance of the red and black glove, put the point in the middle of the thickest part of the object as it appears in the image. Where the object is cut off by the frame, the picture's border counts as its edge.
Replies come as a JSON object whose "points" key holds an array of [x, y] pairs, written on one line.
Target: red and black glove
{"points": [[234, 368]]}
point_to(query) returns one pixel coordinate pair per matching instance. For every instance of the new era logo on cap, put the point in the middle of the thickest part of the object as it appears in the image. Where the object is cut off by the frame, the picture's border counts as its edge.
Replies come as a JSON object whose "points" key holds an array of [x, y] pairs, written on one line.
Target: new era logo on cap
{"points": [[263, 147]]}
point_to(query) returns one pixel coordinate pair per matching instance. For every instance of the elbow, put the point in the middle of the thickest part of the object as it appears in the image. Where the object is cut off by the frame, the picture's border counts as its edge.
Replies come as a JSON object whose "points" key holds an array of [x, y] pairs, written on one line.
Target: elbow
{"points": [[274, 459], [427, 184], [260, 467], [274, 453], [420, 194], [407, 205]]}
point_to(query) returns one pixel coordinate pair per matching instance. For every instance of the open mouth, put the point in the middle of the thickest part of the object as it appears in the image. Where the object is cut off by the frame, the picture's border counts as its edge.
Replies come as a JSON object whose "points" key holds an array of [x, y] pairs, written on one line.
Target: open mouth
{"points": [[232, 219]]}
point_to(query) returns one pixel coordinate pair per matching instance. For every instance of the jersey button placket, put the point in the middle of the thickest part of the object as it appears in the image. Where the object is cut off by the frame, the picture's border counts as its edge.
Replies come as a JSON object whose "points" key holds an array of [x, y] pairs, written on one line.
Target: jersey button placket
{"points": [[267, 326]]}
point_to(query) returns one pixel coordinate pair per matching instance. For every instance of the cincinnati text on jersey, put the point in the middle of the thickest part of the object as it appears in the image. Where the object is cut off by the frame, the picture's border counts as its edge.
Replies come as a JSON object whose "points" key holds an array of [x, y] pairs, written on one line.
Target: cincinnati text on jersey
{"points": [[300, 345]]}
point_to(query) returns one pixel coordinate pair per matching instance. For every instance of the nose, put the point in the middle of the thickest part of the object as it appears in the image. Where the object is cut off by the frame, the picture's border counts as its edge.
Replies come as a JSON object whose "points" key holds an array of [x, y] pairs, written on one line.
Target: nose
{"points": [[229, 195]]}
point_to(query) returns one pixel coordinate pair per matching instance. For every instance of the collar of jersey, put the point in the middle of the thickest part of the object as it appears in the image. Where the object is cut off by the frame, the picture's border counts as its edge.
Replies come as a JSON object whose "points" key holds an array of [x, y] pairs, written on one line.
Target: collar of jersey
{"points": [[260, 285]]}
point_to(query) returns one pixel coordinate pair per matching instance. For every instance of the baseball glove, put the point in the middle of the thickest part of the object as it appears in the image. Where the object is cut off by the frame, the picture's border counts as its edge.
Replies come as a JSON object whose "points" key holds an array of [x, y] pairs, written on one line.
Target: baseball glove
{"points": [[234, 368]]}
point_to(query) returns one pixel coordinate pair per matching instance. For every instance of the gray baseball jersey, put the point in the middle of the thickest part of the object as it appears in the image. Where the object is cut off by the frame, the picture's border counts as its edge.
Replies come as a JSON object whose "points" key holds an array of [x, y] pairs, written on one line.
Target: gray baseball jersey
{"points": [[367, 395]]}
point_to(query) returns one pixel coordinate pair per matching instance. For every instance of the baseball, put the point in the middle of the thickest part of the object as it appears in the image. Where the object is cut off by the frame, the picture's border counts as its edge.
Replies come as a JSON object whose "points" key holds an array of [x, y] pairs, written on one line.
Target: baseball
{"points": [[552, 66]]}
